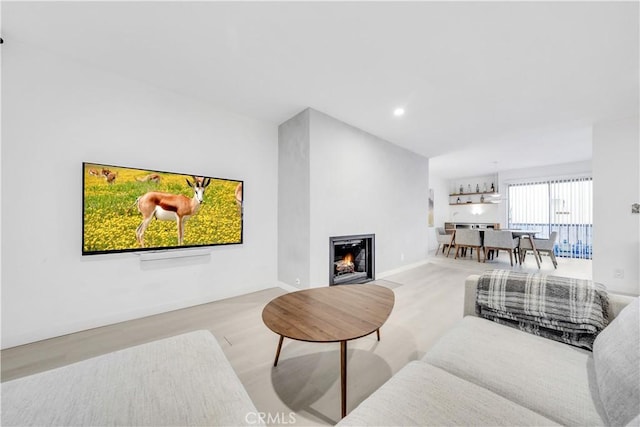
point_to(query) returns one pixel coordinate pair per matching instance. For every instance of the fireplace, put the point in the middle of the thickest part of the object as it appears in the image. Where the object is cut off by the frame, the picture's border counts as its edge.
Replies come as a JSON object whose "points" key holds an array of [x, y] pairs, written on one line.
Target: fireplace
{"points": [[351, 259]]}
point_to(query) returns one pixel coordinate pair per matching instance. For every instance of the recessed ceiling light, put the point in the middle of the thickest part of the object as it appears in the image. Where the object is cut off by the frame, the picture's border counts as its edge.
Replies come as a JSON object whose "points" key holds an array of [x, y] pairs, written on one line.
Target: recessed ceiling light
{"points": [[398, 112]]}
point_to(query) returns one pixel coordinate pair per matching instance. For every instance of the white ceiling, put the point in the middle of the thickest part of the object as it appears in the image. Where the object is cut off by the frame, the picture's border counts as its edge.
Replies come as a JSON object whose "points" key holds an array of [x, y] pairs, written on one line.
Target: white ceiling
{"points": [[520, 83]]}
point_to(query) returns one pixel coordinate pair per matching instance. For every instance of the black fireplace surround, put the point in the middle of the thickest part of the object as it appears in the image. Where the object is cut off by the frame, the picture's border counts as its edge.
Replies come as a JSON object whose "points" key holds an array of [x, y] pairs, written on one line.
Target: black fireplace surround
{"points": [[351, 259]]}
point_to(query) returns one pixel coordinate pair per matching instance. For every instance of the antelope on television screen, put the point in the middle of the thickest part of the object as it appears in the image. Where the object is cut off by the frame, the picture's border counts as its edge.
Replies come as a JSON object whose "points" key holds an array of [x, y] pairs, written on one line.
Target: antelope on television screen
{"points": [[127, 209]]}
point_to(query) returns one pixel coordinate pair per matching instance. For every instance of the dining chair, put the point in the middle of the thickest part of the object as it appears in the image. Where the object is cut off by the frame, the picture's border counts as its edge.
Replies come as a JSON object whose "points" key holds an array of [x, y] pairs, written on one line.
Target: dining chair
{"points": [[466, 238], [542, 245], [444, 239], [500, 241]]}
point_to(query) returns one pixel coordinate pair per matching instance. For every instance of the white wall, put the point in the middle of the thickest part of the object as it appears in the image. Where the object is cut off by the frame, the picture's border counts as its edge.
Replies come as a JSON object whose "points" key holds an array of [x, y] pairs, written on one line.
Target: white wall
{"points": [[616, 186], [482, 214], [57, 113], [361, 184]]}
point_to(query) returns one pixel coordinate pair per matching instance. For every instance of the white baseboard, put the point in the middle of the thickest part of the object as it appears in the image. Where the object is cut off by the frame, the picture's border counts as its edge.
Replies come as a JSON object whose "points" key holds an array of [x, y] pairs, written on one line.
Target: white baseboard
{"points": [[288, 288]]}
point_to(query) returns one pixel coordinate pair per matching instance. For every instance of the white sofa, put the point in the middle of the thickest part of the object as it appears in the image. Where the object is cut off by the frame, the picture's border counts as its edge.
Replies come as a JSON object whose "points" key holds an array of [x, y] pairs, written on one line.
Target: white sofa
{"points": [[483, 373], [178, 381]]}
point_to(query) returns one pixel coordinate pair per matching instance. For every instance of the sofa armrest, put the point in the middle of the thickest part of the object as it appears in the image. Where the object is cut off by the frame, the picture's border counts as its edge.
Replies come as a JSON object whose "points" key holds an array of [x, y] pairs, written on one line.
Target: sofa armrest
{"points": [[470, 285], [616, 303], [181, 380]]}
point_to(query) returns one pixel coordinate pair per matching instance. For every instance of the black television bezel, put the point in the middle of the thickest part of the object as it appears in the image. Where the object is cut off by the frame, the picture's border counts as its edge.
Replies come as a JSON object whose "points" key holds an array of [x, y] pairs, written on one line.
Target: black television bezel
{"points": [[157, 248]]}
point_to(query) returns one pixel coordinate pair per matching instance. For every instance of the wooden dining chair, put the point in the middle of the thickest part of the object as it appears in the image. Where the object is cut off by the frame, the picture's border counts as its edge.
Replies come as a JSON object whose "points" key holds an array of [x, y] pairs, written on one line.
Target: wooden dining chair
{"points": [[542, 246], [444, 239], [500, 241], [468, 239]]}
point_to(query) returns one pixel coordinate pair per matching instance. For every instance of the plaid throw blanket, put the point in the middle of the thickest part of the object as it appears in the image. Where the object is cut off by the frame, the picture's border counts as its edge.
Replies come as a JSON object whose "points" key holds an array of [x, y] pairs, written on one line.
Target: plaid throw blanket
{"points": [[568, 310]]}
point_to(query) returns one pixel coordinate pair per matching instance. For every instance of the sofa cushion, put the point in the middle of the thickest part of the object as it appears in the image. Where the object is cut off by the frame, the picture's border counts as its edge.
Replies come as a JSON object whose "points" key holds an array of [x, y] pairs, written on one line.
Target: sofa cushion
{"points": [[421, 395], [616, 354], [183, 380], [548, 377]]}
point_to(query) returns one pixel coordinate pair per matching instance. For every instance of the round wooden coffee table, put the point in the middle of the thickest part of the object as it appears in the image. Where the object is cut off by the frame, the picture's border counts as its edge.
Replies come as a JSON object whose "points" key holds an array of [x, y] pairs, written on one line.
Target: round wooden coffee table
{"points": [[330, 314]]}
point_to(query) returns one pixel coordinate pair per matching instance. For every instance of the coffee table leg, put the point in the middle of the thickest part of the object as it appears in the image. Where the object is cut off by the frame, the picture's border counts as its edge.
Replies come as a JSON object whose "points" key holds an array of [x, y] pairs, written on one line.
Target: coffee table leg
{"points": [[343, 376], [378, 332], [275, 363]]}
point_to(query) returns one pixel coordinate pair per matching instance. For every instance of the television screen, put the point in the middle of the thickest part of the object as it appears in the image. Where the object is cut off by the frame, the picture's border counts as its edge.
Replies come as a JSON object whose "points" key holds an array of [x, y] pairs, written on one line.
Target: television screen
{"points": [[127, 209]]}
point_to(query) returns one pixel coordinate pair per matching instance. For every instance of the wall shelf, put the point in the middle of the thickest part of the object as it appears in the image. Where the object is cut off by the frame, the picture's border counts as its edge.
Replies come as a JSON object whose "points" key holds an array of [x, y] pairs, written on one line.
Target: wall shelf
{"points": [[473, 203], [473, 194], [474, 199]]}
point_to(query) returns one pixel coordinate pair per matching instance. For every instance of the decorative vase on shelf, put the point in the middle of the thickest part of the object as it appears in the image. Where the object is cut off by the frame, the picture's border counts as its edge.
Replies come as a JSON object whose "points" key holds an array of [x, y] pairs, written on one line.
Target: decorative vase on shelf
{"points": [[482, 199], [484, 187], [461, 189], [493, 188], [477, 188], [468, 188], [458, 201]]}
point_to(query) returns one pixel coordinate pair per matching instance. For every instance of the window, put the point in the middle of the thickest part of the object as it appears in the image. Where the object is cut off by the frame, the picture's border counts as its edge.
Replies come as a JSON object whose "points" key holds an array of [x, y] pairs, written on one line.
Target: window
{"points": [[565, 206]]}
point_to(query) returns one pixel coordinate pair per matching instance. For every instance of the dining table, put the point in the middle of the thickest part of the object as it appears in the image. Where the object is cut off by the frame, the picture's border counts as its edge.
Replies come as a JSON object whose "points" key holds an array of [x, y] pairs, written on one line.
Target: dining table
{"points": [[523, 234]]}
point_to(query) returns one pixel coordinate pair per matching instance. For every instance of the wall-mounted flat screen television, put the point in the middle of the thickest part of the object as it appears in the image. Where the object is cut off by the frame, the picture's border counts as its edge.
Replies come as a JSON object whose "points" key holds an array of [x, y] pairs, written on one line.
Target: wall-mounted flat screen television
{"points": [[127, 209]]}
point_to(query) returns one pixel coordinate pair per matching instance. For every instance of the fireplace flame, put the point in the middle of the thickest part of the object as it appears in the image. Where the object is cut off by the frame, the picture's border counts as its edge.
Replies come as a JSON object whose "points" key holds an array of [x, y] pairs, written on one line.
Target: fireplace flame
{"points": [[345, 265]]}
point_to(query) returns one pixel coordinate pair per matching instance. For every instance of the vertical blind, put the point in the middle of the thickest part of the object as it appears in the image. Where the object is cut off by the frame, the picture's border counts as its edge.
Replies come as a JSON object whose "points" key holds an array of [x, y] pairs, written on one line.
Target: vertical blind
{"points": [[565, 206]]}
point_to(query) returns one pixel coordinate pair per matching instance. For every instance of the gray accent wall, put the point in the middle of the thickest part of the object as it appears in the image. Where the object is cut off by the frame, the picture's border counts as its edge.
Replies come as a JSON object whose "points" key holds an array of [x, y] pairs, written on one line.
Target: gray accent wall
{"points": [[357, 184], [293, 200]]}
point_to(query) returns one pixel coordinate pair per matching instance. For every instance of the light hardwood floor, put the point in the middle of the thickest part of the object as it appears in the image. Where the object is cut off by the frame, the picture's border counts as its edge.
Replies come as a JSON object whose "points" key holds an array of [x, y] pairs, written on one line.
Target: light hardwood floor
{"points": [[306, 381]]}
